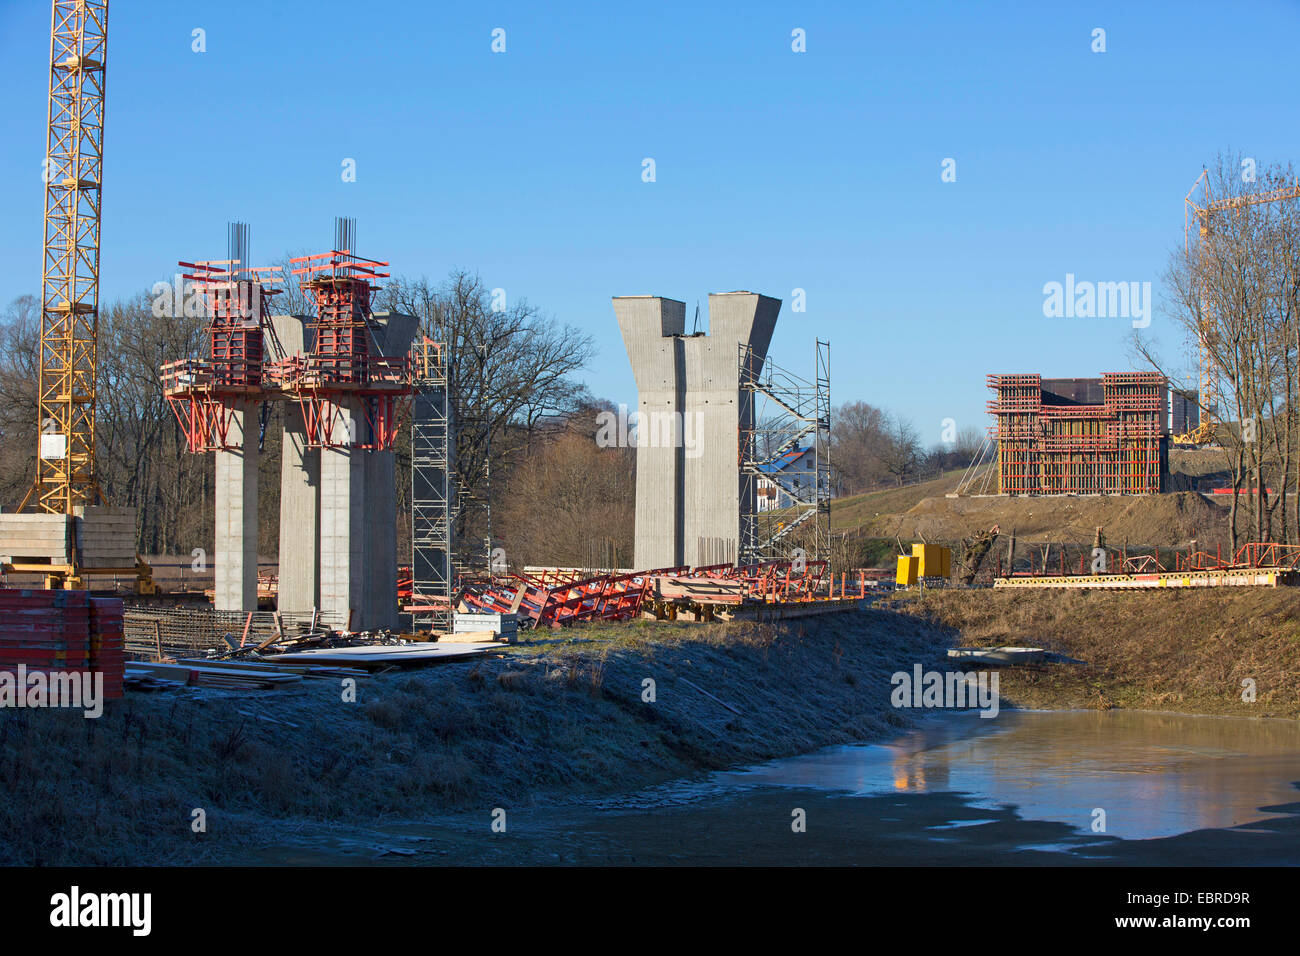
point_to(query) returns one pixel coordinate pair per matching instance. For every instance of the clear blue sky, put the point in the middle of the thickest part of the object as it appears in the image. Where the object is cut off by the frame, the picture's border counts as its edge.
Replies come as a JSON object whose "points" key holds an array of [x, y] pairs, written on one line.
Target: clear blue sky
{"points": [[775, 170]]}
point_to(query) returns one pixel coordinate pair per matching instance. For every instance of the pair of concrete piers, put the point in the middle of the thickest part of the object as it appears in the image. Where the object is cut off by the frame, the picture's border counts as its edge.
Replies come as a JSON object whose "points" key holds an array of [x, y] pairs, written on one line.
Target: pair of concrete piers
{"points": [[338, 515], [689, 492]]}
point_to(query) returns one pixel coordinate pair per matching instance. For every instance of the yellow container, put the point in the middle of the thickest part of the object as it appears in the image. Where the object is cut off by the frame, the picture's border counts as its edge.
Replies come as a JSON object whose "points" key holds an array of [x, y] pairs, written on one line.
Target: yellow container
{"points": [[907, 570], [935, 561]]}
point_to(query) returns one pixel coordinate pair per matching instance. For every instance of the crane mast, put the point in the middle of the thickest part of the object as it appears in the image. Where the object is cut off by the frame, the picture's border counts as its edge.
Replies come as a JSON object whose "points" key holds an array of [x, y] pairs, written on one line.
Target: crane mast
{"points": [[71, 533], [65, 459]]}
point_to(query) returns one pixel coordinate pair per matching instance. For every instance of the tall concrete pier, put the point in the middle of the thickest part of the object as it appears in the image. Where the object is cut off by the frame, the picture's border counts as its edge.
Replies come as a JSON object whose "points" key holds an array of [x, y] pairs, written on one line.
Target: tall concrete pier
{"points": [[234, 563], [690, 410], [299, 585], [338, 506]]}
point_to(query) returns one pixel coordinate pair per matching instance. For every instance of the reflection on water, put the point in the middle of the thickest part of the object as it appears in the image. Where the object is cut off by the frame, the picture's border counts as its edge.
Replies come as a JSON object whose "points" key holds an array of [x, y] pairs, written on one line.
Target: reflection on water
{"points": [[1153, 774]]}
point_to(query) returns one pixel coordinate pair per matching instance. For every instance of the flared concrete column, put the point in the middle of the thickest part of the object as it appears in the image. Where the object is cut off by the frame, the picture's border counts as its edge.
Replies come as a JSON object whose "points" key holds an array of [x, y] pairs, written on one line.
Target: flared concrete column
{"points": [[652, 328], [234, 562], [689, 496], [714, 412]]}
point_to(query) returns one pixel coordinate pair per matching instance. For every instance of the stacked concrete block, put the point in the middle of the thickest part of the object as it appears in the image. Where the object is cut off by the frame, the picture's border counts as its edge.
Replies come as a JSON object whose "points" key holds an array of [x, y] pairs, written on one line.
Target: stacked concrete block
{"points": [[35, 538], [689, 491], [105, 536]]}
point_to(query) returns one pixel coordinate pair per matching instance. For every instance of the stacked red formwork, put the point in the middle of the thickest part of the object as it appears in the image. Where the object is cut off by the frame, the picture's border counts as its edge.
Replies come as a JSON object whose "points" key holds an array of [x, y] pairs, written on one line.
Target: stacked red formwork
{"points": [[44, 631], [107, 652], [62, 632]]}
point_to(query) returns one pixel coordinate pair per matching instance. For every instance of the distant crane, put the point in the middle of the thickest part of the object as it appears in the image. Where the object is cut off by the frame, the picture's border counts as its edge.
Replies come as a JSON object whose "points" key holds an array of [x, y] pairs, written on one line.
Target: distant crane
{"points": [[1202, 216]]}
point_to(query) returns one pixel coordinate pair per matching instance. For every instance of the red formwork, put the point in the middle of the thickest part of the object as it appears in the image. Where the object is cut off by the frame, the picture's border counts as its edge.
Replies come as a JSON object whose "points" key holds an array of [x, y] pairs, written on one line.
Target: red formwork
{"points": [[57, 631], [206, 394], [1117, 447], [558, 598], [342, 378], [771, 581], [344, 370]]}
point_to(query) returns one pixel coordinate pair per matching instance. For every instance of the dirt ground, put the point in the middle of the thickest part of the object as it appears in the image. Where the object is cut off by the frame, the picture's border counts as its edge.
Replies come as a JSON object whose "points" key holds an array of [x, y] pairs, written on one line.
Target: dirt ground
{"points": [[1171, 520], [924, 512]]}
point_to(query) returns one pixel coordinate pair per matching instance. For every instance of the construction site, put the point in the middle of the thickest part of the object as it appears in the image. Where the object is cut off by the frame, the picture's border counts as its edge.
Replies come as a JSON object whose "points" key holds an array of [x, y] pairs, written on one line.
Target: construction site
{"points": [[390, 561]]}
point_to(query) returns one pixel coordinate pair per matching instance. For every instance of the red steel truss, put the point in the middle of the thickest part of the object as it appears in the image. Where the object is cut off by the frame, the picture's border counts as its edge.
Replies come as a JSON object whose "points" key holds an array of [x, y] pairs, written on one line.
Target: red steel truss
{"points": [[1118, 447], [559, 598], [205, 394]]}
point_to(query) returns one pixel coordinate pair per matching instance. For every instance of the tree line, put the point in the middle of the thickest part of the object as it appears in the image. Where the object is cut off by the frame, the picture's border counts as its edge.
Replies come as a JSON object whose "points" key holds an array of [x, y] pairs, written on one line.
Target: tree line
{"points": [[873, 448]]}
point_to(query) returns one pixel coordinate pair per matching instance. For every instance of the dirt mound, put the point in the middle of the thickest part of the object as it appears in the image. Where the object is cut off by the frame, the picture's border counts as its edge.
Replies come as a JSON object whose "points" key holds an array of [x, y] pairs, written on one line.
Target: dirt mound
{"points": [[1171, 520]]}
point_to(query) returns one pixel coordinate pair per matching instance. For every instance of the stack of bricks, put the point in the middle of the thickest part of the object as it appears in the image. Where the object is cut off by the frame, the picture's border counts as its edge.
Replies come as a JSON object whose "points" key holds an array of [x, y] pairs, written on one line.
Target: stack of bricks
{"points": [[62, 632]]}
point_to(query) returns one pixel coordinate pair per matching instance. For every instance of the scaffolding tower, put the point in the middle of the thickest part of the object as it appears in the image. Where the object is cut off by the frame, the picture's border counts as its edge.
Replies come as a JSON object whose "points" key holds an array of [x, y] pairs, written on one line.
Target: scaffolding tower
{"points": [[431, 490], [785, 420], [1048, 444]]}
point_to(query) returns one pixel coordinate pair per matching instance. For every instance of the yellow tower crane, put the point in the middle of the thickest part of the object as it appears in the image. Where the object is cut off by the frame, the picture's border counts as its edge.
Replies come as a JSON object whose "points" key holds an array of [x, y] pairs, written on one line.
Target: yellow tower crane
{"points": [[1202, 216], [74, 165]]}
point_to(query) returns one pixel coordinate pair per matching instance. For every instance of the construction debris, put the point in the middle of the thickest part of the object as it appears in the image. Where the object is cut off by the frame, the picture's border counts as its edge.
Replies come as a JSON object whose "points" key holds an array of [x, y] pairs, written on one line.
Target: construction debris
{"points": [[557, 598], [380, 656]]}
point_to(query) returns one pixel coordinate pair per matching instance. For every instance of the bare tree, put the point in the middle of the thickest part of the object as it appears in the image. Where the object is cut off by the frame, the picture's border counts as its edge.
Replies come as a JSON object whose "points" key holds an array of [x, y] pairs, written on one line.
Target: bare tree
{"points": [[1233, 290], [512, 375]]}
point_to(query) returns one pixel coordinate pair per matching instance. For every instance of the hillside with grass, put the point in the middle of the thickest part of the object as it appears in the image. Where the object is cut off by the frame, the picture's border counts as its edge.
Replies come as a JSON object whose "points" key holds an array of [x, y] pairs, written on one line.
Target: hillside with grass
{"points": [[870, 526]]}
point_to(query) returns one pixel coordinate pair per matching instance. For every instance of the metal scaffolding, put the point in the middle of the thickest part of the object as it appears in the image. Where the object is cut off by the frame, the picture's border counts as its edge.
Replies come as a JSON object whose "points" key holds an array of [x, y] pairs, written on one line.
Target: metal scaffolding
{"points": [[431, 490], [785, 460]]}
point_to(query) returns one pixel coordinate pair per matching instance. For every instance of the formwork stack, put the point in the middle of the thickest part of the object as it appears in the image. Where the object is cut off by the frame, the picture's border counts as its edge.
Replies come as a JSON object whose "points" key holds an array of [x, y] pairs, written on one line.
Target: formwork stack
{"points": [[1102, 436], [62, 632]]}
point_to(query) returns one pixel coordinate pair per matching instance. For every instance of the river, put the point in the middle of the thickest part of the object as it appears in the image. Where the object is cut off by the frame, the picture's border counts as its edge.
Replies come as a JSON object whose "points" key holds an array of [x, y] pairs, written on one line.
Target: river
{"points": [[1057, 788]]}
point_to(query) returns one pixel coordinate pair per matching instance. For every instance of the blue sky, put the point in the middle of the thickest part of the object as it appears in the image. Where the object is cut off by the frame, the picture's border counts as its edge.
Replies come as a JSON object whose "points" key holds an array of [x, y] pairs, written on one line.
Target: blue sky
{"points": [[775, 170]]}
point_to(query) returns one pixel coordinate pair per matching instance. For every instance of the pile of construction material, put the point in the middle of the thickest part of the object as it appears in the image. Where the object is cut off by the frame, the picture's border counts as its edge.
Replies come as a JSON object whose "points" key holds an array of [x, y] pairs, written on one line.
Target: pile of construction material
{"points": [[226, 675], [269, 650], [62, 632], [560, 597], [101, 536]]}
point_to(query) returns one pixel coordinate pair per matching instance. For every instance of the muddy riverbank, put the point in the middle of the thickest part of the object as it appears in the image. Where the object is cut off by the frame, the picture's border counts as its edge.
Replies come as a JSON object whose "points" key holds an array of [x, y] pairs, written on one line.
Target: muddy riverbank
{"points": [[562, 716], [1224, 651]]}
